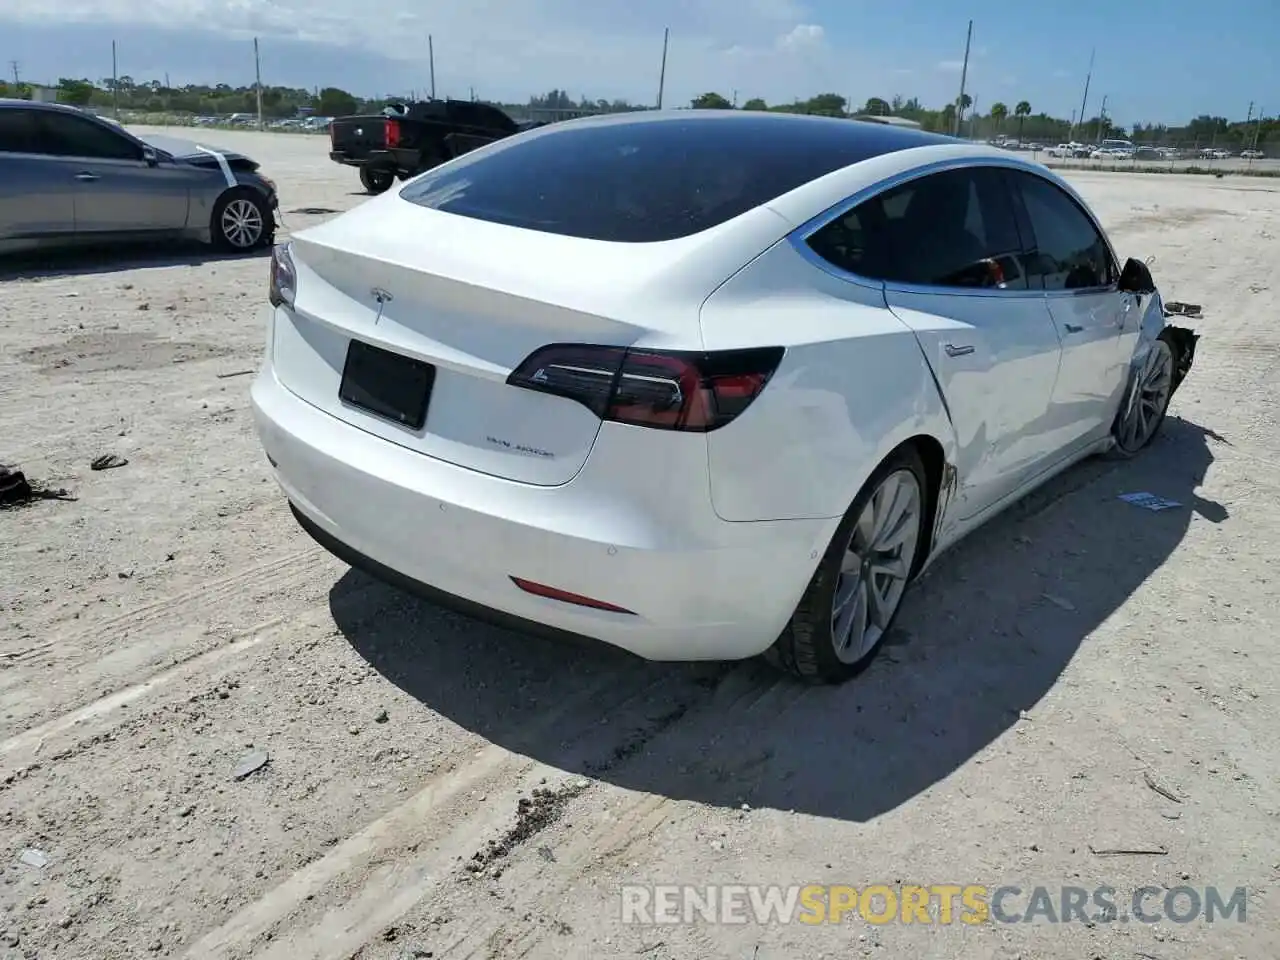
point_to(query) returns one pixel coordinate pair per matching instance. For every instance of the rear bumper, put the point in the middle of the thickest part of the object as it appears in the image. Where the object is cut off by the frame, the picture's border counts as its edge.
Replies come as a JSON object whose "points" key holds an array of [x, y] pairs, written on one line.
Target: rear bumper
{"points": [[373, 158], [700, 588]]}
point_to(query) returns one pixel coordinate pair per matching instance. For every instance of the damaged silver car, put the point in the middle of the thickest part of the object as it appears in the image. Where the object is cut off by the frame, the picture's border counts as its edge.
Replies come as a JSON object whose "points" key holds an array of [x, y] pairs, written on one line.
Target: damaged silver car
{"points": [[68, 177]]}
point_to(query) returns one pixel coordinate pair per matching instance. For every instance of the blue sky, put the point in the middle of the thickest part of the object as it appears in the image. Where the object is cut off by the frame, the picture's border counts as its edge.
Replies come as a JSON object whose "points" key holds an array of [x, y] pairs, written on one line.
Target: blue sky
{"points": [[1157, 60]]}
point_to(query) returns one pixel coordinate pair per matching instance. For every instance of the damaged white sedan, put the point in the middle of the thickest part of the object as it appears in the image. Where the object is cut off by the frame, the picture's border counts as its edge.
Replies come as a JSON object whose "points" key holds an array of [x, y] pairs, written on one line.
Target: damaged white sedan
{"points": [[701, 385]]}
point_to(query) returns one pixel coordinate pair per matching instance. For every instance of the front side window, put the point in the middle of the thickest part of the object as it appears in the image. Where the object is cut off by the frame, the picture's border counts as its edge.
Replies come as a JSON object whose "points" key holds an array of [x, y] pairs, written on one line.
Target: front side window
{"points": [[65, 135], [1066, 249], [950, 229]]}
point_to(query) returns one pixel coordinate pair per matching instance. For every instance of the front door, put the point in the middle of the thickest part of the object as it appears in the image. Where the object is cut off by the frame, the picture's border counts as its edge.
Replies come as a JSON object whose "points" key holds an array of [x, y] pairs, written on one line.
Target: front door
{"points": [[117, 191], [1069, 256]]}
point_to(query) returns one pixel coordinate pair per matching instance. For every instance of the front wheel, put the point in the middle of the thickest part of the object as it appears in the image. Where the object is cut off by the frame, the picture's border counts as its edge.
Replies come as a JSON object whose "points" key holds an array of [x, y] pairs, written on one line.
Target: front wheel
{"points": [[1146, 401], [376, 181], [241, 221], [852, 600]]}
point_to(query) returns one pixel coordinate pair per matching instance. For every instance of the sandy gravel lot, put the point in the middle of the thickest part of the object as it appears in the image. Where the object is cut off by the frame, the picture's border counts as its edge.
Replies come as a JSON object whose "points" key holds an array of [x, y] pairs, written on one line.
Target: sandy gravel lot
{"points": [[172, 621]]}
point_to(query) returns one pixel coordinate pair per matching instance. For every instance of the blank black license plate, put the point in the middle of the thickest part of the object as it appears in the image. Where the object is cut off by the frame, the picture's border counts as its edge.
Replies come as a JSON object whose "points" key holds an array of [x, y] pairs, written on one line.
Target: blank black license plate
{"points": [[392, 386]]}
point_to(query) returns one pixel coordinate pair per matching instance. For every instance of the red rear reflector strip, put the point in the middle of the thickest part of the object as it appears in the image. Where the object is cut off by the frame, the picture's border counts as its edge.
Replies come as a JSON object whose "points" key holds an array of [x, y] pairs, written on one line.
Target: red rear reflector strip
{"points": [[551, 593]]}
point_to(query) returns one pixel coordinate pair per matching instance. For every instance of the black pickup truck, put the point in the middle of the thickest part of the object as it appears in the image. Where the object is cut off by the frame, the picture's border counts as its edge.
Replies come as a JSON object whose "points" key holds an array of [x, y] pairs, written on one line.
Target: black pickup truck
{"points": [[407, 139]]}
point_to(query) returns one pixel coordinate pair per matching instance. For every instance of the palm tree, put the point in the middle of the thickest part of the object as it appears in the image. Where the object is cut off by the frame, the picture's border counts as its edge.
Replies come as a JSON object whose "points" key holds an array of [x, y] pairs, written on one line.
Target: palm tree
{"points": [[1021, 111], [998, 112]]}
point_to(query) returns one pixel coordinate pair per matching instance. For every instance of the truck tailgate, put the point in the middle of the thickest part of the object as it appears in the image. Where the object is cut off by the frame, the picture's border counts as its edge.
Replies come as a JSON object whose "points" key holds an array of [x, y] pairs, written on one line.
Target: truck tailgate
{"points": [[357, 136]]}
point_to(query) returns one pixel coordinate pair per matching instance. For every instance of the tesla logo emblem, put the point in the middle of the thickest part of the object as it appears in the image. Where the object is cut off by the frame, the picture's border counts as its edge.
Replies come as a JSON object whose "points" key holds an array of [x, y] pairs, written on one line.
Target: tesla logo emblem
{"points": [[383, 298]]}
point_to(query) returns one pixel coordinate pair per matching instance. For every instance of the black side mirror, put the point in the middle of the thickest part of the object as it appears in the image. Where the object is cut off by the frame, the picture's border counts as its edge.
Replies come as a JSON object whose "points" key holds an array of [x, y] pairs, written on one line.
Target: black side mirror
{"points": [[1136, 278]]}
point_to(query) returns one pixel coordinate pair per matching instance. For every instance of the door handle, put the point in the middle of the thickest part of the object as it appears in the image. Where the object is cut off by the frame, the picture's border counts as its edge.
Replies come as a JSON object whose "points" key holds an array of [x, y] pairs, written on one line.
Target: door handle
{"points": [[958, 351], [86, 177], [1071, 328]]}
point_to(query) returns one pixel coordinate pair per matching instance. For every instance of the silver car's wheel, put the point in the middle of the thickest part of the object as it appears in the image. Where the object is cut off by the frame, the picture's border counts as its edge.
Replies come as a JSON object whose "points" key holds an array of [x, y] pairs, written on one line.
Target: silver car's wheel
{"points": [[242, 221], [876, 566], [242, 224], [1152, 388]]}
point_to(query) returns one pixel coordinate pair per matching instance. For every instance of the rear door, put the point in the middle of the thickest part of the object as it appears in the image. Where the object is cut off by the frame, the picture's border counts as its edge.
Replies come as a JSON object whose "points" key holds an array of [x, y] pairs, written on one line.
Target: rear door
{"points": [[1069, 256], [117, 191], [957, 277], [37, 191]]}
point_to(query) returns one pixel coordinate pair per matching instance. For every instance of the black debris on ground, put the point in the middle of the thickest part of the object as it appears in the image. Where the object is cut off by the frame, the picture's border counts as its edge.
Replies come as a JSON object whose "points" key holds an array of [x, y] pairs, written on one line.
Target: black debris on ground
{"points": [[17, 491], [533, 815], [108, 461]]}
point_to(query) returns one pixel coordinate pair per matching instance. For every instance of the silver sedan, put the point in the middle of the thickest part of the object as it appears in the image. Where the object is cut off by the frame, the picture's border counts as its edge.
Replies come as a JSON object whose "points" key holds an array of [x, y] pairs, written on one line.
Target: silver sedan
{"points": [[68, 177]]}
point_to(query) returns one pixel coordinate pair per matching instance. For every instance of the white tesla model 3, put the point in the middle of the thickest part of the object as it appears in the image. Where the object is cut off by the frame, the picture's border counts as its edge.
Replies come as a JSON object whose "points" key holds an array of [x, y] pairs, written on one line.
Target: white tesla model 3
{"points": [[701, 385]]}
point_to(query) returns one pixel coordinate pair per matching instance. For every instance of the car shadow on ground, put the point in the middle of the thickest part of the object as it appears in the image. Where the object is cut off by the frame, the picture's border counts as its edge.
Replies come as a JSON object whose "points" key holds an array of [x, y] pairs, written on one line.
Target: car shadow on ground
{"points": [[984, 635], [87, 261]]}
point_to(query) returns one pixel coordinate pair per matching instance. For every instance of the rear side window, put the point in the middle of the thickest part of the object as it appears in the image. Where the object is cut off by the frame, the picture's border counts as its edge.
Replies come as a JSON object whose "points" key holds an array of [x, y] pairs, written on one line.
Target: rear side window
{"points": [[17, 131], [950, 229], [646, 181], [1067, 250]]}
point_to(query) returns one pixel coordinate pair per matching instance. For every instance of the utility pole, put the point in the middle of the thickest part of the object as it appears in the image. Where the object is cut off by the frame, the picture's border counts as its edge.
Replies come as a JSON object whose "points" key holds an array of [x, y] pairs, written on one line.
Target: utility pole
{"points": [[1102, 118], [1085, 99], [257, 72], [735, 99], [964, 76], [431, 60], [115, 83], [17, 82], [662, 71]]}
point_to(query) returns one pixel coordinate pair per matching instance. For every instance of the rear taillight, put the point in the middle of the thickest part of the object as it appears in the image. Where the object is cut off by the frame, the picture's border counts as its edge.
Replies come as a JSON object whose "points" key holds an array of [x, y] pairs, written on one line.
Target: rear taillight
{"points": [[284, 278], [392, 133], [667, 390]]}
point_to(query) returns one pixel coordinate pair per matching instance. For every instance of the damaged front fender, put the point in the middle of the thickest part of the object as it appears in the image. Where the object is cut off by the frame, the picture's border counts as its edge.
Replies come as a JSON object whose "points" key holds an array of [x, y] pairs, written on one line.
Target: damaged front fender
{"points": [[1156, 326]]}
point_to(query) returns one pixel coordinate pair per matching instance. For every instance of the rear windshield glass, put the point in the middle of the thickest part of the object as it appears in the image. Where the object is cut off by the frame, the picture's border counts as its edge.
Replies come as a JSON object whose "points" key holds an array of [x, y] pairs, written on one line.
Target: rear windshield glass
{"points": [[649, 180]]}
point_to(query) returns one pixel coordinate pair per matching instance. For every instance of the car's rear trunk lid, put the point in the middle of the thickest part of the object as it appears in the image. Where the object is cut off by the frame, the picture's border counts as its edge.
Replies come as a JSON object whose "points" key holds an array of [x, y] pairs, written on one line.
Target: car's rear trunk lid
{"points": [[473, 299]]}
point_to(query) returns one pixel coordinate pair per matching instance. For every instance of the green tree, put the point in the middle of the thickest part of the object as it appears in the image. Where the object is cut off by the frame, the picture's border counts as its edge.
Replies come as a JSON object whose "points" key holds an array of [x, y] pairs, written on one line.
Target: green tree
{"points": [[711, 101], [336, 103], [1022, 111], [998, 112], [826, 104], [78, 93], [755, 103], [876, 107]]}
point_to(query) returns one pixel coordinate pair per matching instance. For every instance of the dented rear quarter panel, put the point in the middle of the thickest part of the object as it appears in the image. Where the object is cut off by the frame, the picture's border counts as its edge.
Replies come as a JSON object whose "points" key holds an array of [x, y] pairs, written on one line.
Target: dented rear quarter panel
{"points": [[852, 387]]}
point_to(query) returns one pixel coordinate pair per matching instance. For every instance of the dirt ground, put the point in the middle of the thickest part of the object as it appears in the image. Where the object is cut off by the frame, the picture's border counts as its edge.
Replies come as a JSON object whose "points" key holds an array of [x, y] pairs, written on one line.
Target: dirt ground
{"points": [[438, 788]]}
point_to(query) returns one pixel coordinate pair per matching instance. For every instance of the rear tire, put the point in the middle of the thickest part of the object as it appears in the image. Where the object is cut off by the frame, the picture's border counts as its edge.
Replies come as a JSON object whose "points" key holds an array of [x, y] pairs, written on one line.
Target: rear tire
{"points": [[857, 581], [241, 221], [376, 181]]}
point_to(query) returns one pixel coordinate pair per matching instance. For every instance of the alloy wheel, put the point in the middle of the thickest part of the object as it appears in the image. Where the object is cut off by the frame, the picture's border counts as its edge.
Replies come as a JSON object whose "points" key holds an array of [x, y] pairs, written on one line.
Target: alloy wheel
{"points": [[1152, 389], [876, 566], [242, 223]]}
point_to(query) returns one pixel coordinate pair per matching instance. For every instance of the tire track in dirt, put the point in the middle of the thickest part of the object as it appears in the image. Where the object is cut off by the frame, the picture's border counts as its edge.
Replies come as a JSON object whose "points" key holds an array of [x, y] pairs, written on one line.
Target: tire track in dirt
{"points": [[745, 696], [373, 877], [174, 629], [96, 718]]}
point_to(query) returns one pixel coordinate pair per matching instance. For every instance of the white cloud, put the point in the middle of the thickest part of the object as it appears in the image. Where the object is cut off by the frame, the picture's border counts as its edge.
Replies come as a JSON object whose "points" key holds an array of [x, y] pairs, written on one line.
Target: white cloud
{"points": [[501, 47], [803, 36]]}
